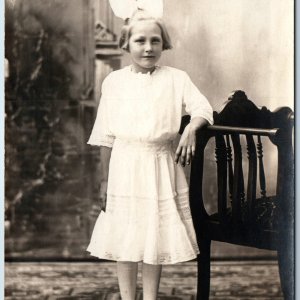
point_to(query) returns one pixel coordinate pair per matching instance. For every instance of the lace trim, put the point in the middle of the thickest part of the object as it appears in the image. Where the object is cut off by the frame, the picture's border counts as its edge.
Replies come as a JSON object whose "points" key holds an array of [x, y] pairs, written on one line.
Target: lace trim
{"points": [[180, 193], [163, 259], [140, 74], [107, 141], [168, 208]]}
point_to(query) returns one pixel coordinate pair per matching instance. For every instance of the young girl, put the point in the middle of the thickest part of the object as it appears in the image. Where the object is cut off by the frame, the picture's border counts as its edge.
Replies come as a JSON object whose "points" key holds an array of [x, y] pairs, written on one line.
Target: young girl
{"points": [[147, 218]]}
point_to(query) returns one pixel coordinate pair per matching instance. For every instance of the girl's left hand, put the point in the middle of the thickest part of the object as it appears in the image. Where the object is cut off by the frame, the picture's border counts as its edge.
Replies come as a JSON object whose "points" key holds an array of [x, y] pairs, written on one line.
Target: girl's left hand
{"points": [[186, 147], [103, 194]]}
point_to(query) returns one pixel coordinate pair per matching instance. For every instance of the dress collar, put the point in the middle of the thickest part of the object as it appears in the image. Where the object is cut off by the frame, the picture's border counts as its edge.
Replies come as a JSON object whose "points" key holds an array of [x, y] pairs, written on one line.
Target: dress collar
{"points": [[157, 67]]}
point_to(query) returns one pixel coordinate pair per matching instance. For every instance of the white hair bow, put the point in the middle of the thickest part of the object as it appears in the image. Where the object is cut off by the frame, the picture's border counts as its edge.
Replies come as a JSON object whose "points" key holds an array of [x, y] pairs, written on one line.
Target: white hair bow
{"points": [[125, 8]]}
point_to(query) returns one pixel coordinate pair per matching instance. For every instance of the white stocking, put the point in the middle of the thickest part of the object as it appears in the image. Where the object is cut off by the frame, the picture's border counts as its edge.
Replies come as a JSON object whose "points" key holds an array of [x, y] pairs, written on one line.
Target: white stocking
{"points": [[127, 277], [151, 278]]}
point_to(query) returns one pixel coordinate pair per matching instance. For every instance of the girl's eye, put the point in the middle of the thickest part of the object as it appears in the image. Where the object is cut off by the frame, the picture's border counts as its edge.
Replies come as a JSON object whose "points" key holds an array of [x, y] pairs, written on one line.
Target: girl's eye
{"points": [[140, 41], [156, 41]]}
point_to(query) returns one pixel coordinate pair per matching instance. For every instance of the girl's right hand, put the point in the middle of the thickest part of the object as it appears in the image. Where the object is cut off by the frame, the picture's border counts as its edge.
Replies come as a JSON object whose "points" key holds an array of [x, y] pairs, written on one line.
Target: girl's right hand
{"points": [[103, 194]]}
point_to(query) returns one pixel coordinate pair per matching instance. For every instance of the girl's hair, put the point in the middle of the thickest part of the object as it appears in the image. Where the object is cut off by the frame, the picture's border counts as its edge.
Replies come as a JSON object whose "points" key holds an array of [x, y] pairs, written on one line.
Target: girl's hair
{"points": [[141, 15]]}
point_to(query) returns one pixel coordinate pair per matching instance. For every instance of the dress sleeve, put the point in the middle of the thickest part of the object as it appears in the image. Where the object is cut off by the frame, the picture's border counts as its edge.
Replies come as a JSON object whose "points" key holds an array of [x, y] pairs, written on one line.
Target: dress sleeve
{"points": [[101, 135], [195, 103]]}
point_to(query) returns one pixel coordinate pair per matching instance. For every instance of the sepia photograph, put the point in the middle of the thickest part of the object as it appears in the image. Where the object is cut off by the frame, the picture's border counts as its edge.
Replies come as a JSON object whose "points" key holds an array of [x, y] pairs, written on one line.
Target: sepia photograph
{"points": [[149, 149]]}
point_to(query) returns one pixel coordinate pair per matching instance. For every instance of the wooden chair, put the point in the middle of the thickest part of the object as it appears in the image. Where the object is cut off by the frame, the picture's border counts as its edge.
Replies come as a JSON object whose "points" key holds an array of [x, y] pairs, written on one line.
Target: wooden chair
{"points": [[246, 214]]}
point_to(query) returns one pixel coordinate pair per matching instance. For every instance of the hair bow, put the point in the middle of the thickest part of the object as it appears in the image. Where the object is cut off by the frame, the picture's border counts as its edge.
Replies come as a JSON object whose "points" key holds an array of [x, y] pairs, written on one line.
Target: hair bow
{"points": [[125, 8]]}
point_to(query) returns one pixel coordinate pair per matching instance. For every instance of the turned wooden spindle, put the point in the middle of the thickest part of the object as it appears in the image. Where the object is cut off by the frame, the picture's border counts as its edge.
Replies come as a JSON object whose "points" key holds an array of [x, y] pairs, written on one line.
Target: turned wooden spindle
{"points": [[220, 155], [238, 197], [252, 175], [229, 166], [262, 178]]}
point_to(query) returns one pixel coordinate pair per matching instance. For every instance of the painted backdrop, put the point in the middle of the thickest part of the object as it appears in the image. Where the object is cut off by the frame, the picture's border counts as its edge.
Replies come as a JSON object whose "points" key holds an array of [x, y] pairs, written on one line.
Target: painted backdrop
{"points": [[59, 51]]}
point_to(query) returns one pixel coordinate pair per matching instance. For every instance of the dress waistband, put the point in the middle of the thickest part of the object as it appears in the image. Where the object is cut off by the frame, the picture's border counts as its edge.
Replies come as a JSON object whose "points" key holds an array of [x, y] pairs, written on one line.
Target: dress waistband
{"points": [[165, 146]]}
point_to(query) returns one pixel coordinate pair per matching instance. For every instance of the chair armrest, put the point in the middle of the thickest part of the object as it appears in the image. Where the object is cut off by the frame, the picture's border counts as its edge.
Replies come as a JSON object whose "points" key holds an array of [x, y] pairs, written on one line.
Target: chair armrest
{"points": [[242, 130]]}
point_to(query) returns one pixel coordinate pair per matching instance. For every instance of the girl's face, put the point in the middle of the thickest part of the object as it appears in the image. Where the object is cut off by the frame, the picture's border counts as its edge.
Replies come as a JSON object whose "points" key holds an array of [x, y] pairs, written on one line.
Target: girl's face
{"points": [[145, 45]]}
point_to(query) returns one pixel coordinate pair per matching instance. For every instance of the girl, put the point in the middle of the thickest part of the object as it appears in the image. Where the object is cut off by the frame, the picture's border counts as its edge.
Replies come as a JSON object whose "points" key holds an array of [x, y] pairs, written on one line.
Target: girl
{"points": [[147, 218]]}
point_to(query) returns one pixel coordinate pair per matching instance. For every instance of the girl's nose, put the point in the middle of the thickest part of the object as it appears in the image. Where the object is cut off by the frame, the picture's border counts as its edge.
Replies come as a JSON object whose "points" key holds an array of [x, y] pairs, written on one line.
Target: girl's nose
{"points": [[148, 47]]}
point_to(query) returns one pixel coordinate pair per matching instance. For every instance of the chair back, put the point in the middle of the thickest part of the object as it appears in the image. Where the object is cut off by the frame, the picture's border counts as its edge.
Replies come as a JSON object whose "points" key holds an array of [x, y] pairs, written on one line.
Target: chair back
{"points": [[244, 204]]}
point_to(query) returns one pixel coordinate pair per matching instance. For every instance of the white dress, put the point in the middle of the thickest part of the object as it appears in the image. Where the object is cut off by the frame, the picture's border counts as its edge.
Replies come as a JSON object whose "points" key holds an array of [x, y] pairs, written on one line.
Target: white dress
{"points": [[147, 215]]}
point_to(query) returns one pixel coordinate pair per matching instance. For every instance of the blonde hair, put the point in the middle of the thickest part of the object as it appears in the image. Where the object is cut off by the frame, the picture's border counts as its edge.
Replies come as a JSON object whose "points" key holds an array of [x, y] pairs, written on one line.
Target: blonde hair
{"points": [[141, 15]]}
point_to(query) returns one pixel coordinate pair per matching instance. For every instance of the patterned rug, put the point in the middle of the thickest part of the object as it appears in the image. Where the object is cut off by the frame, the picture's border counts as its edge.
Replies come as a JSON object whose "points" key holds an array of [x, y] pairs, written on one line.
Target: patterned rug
{"points": [[97, 281]]}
